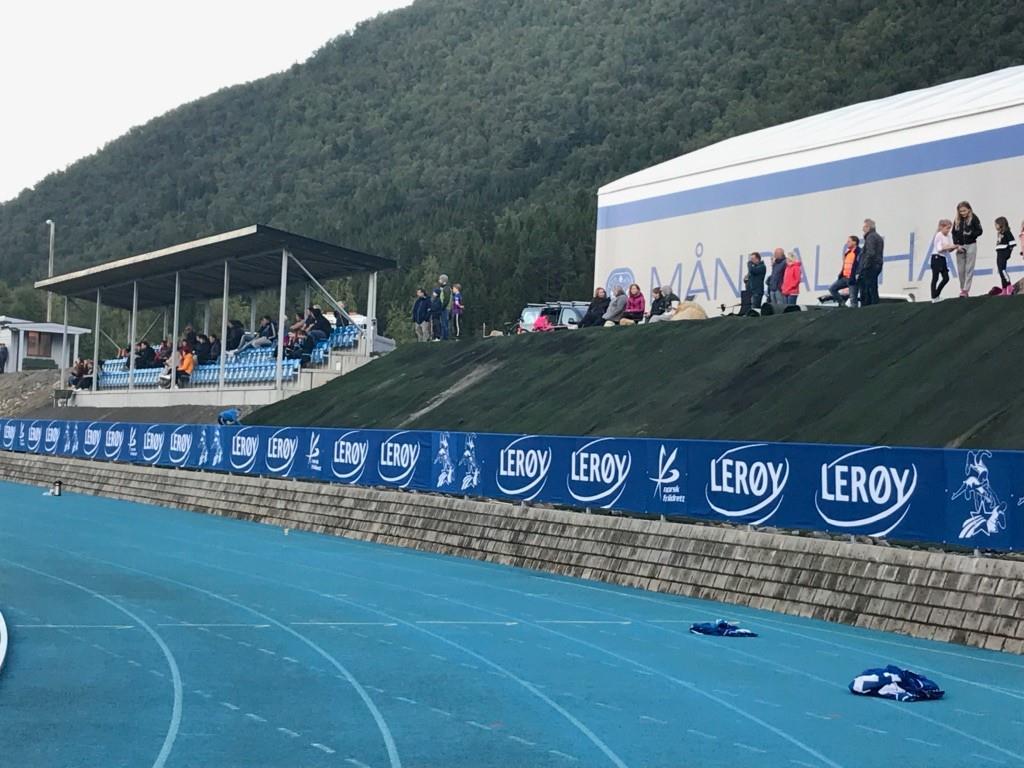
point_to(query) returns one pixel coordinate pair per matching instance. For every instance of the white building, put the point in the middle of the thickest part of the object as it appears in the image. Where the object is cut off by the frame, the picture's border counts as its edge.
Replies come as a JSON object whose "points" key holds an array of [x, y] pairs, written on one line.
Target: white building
{"points": [[29, 343], [904, 161]]}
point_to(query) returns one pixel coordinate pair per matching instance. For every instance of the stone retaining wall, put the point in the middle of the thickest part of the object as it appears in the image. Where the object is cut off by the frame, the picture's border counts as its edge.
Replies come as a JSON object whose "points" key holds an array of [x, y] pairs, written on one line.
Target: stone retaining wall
{"points": [[970, 600]]}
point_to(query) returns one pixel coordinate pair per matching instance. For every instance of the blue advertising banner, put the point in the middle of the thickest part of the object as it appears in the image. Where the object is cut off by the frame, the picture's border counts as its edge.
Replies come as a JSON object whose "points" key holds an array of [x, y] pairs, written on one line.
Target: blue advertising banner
{"points": [[966, 497]]}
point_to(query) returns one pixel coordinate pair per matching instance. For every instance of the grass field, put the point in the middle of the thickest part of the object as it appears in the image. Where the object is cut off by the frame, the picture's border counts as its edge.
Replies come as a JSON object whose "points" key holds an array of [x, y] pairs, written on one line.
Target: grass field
{"points": [[921, 374]]}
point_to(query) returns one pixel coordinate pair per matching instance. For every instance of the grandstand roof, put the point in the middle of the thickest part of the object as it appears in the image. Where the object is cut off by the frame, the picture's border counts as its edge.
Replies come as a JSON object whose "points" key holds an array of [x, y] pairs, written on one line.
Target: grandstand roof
{"points": [[254, 253], [956, 108]]}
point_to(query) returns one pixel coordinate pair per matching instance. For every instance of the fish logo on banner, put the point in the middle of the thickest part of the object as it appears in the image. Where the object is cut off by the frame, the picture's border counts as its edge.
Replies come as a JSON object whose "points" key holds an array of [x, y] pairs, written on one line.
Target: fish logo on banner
{"points": [[868, 489], [218, 447], [598, 472], [743, 483], [152, 445], [35, 436], [523, 469], [348, 459], [398, 460], [245, 449], [180, 446], [444, 457], [666, 485], [51, 438], [282, 448], [66, 448], [204, 451], [313, 452], [93, 436], [988, 512]]}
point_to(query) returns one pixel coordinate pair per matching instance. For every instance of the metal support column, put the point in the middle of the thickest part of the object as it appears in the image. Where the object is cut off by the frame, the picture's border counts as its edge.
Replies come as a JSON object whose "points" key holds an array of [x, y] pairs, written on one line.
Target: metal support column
{"points": [[64, 348], [132, 331], [282, 318], [174, 337], [224, 326], [252, 314], [163, 333], [305, 298], [206, 319], [371, 313], [96, 364]]}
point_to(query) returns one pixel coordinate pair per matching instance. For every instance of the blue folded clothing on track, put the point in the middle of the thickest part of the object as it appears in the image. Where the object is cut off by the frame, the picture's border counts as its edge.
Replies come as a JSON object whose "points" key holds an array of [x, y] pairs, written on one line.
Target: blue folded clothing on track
{"points": [[895, 683], [720, 629]]}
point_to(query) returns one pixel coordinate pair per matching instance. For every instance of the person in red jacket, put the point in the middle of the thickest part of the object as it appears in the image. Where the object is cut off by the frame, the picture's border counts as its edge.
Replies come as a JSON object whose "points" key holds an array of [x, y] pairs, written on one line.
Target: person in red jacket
{"points": [[791, 279], [635, 305]]}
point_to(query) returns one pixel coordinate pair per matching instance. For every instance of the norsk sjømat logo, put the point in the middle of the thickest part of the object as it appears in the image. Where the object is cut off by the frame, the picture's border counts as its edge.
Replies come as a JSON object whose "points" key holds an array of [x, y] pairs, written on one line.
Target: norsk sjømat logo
{"points": [[746, 482], [245, 447], [523, 468], [282, 448], [348, 459], [398, 458], [869, 489], [598, 472], [667, 486]]}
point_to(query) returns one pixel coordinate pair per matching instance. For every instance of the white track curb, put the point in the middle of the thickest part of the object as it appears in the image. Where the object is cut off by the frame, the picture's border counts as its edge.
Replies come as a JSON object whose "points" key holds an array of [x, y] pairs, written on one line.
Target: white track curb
{"points": [[3, 641]]}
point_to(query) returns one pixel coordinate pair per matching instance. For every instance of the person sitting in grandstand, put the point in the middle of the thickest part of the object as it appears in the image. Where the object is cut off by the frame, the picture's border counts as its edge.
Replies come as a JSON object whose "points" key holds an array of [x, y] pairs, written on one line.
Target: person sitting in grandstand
{"points": [[190, 336], [202, 349], [595, 312], [214, 354], [163, 352], [186, 366], [340, 318], [301, 348], [79, 371], [635, 305], [265, 337], [317, 326], [298, 321], [616, 307], [847, 273], [234, 336], [663, 304], [145, 356]]}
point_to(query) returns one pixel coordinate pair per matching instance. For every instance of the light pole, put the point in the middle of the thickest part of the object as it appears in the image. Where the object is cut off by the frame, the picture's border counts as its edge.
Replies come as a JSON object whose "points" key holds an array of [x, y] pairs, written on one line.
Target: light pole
{"points": [[49, 273]]}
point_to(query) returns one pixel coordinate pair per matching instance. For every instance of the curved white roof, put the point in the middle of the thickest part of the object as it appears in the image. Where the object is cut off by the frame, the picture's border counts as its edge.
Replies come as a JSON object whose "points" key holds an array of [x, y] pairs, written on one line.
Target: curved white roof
{"points": [[962, 106]]}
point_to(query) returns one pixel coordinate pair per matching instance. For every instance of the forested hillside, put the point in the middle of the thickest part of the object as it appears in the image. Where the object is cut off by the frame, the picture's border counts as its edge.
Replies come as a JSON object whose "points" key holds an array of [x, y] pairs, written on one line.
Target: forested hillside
{"points": [[470, 136]]}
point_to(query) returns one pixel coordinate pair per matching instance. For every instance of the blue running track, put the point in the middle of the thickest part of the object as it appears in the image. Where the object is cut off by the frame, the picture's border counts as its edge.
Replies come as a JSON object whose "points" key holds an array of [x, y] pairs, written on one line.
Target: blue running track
{"points": [[143, 636]]}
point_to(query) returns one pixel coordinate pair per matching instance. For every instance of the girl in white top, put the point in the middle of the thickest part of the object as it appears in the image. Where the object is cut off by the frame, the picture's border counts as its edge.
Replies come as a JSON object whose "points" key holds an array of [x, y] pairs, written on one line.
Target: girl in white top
{"points": [[942, 244]]}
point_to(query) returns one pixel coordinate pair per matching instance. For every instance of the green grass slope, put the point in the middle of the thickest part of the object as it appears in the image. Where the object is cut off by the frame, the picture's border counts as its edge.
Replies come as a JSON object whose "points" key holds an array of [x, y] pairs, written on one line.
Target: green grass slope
{"points": [[930, 375]]}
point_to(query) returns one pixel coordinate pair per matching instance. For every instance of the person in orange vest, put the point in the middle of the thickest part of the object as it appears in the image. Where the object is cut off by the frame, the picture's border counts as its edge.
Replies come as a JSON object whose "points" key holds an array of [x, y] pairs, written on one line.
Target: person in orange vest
{"points": [[851, 255]]}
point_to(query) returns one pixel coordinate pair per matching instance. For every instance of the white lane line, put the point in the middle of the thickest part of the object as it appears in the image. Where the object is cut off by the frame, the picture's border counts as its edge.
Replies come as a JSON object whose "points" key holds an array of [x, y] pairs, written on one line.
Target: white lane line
{"points": [[439, 657], [817, 716], [749, 748], [247, 645], [190, 625], [257, 718], [288, 732], [374, 688], [134, 663], [989, 759], [871, 730], [607, 706], [572, 655], [922, 741], [695, 732], [442, 712], [803, 764], [230, 706], [407, 648], [522, 741], [356, 763], [267, 651], [968, 712], [343, 624], [515, 640], [472, 623], [644, 672], [75, 626], [156, 672], [724, 692], [224, 637], [481, 726], [650, 719], [406, 700], [468, 666], [290, 660], [827, 653], [569, 621], [556, 753], [322, 747], [768, 703]]}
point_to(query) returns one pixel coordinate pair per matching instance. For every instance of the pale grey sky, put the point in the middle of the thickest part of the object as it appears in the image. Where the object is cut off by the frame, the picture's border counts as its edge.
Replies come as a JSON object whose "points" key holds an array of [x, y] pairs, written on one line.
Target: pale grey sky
{"points": [[75, 75]]}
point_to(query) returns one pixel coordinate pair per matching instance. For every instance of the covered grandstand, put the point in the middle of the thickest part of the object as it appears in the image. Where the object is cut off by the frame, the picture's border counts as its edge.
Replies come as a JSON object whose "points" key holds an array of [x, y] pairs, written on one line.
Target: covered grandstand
{"points": [[208, 272]]}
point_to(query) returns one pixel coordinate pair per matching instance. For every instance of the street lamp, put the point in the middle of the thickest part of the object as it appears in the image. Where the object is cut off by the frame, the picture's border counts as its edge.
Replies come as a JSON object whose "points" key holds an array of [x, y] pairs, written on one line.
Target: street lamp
{"points": [[49, 272]]}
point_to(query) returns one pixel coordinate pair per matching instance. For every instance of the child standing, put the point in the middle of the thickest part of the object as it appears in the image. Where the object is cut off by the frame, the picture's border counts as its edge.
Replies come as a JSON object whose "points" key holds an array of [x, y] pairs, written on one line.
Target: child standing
{"points": [[942, 244], [1004, 247], [457, 309]]}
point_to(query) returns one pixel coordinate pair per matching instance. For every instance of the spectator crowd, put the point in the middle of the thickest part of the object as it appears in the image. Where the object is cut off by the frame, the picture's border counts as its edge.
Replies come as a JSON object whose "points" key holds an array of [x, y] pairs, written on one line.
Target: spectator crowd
{"points": [[439, 315]]}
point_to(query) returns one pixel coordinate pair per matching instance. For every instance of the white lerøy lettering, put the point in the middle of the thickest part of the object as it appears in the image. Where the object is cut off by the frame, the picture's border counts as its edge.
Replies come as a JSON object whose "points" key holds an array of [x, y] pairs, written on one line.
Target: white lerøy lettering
{"points": [[403, 455], [152, 442], [524, 462], [92, 436], [594, 467], [52, 435], [282, 448], [856, 484], [348, 452], [744, 483], [34, 434], [180, 442], [863, 490], [756, 478], [244, 445], [115, 438]]}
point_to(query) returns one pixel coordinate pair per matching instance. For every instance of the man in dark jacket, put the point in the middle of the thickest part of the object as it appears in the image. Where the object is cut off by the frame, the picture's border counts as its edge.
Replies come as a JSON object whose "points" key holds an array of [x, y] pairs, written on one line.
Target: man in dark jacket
{"points": [[869, 267], [756, 271], [421, 316], [145, 356], [595, 312], [776, 277], [4, 357]]}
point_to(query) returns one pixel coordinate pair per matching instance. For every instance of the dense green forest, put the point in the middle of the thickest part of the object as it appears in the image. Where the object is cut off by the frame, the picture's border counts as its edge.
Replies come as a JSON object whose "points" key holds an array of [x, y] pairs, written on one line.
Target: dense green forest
{"points": [[470, 136]]}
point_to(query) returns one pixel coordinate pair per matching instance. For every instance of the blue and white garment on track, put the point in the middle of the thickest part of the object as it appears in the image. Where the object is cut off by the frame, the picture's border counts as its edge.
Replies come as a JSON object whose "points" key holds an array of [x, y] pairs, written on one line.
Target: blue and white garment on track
{"points": [[895, 683], [720, 628]]}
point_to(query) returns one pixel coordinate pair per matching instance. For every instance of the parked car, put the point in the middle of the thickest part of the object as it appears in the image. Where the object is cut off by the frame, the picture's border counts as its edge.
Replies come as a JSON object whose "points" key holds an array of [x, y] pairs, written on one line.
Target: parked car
{"points": [[561, 315]]}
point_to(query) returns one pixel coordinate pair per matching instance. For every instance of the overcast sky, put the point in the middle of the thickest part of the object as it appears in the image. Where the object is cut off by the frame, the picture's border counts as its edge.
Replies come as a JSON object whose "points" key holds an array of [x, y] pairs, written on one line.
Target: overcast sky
{"points": [[75, 74]]}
